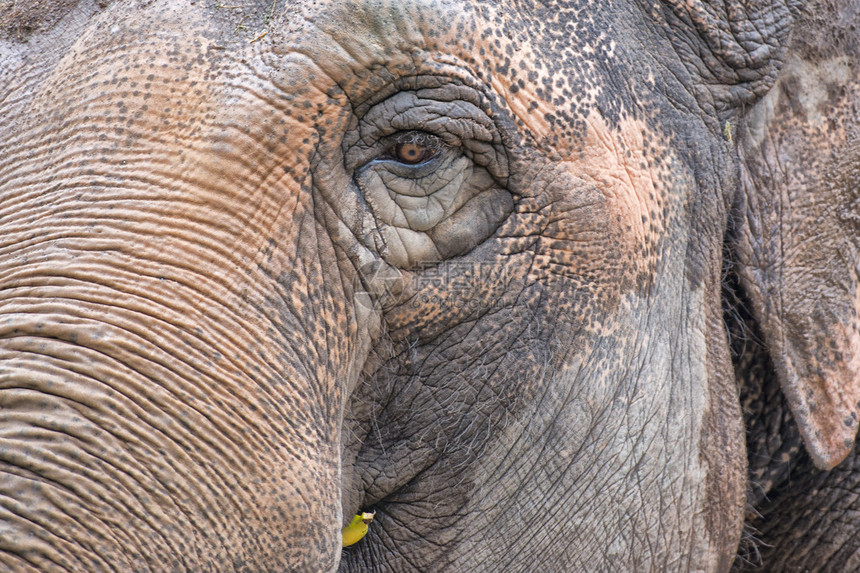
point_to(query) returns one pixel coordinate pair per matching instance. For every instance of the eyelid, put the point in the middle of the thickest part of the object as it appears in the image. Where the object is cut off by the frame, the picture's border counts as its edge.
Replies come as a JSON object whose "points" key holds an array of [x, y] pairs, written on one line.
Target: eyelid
{"points": [[463, 127], [406, 170]]}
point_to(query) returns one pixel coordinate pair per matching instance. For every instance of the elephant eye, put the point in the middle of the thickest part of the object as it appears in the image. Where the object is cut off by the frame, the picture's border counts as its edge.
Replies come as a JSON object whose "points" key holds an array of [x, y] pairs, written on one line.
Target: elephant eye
{"points": [[414, 148], [432, 174], [411, 153]]}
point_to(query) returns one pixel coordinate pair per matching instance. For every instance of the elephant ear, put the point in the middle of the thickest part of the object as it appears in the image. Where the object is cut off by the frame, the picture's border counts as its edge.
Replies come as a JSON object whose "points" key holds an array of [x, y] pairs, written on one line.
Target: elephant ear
{"points": [[731, 48], [797, 232]]}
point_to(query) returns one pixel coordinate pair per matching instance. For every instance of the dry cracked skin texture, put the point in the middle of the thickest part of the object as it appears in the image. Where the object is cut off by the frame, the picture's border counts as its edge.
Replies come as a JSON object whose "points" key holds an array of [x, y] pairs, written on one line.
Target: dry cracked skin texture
{"points": [[523, 329]]}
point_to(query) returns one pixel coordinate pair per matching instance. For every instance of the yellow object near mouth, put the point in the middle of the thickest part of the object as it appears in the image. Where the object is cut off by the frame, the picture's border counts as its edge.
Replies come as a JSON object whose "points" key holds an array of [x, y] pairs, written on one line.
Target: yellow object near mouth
{"points": [[357, 528]]}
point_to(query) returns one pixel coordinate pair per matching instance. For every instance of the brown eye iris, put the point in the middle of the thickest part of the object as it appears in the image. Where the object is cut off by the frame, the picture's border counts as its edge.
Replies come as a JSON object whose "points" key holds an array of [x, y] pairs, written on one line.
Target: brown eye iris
{"points": [[412, 153]]}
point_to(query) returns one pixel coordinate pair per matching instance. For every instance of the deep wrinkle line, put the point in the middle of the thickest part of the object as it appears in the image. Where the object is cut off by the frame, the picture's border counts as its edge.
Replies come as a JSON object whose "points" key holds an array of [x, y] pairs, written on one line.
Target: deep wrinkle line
{"points": [[122, 363], [150, 445], [54, 300], [43, 478]]}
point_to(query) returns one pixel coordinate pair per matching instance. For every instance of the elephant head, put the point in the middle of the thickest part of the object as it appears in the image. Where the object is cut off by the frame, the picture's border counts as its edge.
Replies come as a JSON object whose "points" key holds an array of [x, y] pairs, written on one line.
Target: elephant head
{"points": [[265, 265]]}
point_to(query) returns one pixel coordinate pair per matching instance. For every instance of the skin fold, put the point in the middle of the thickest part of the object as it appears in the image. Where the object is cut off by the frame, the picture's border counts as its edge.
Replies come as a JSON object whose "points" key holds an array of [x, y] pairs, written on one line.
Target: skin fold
{"points": [[465, 264]]}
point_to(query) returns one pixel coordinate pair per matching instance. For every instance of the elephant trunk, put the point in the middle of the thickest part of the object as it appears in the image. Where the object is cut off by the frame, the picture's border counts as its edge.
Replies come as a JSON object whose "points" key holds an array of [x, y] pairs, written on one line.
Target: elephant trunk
{"points": [[170, 402], [179, 329]]}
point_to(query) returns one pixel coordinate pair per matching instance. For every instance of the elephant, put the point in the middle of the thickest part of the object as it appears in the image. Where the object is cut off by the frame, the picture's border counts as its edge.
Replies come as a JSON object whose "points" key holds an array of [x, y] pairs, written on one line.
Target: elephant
{"points": [[566, 286]]}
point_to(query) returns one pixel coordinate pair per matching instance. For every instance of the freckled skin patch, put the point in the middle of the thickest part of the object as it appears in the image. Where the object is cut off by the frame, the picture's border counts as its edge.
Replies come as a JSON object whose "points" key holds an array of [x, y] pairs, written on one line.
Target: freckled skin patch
{"points": [[218, 347]]}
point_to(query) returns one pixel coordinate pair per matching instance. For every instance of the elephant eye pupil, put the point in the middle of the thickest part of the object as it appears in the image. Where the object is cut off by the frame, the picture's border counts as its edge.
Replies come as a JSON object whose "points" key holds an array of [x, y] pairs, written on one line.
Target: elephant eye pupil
{"points": [[415, 148], [412, 153]]}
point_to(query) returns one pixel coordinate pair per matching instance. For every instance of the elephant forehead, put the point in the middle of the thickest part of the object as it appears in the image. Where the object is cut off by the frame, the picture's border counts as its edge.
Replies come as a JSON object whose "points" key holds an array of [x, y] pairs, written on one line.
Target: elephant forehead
{"points": [[550, 70], [547, 70], [264, 106], [548, 67], [164, 113]]}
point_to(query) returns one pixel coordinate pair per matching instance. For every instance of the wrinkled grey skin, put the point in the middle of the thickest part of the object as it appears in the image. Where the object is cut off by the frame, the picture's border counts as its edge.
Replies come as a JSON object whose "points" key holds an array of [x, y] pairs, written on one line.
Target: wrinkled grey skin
{"points": [[466, 264]]}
